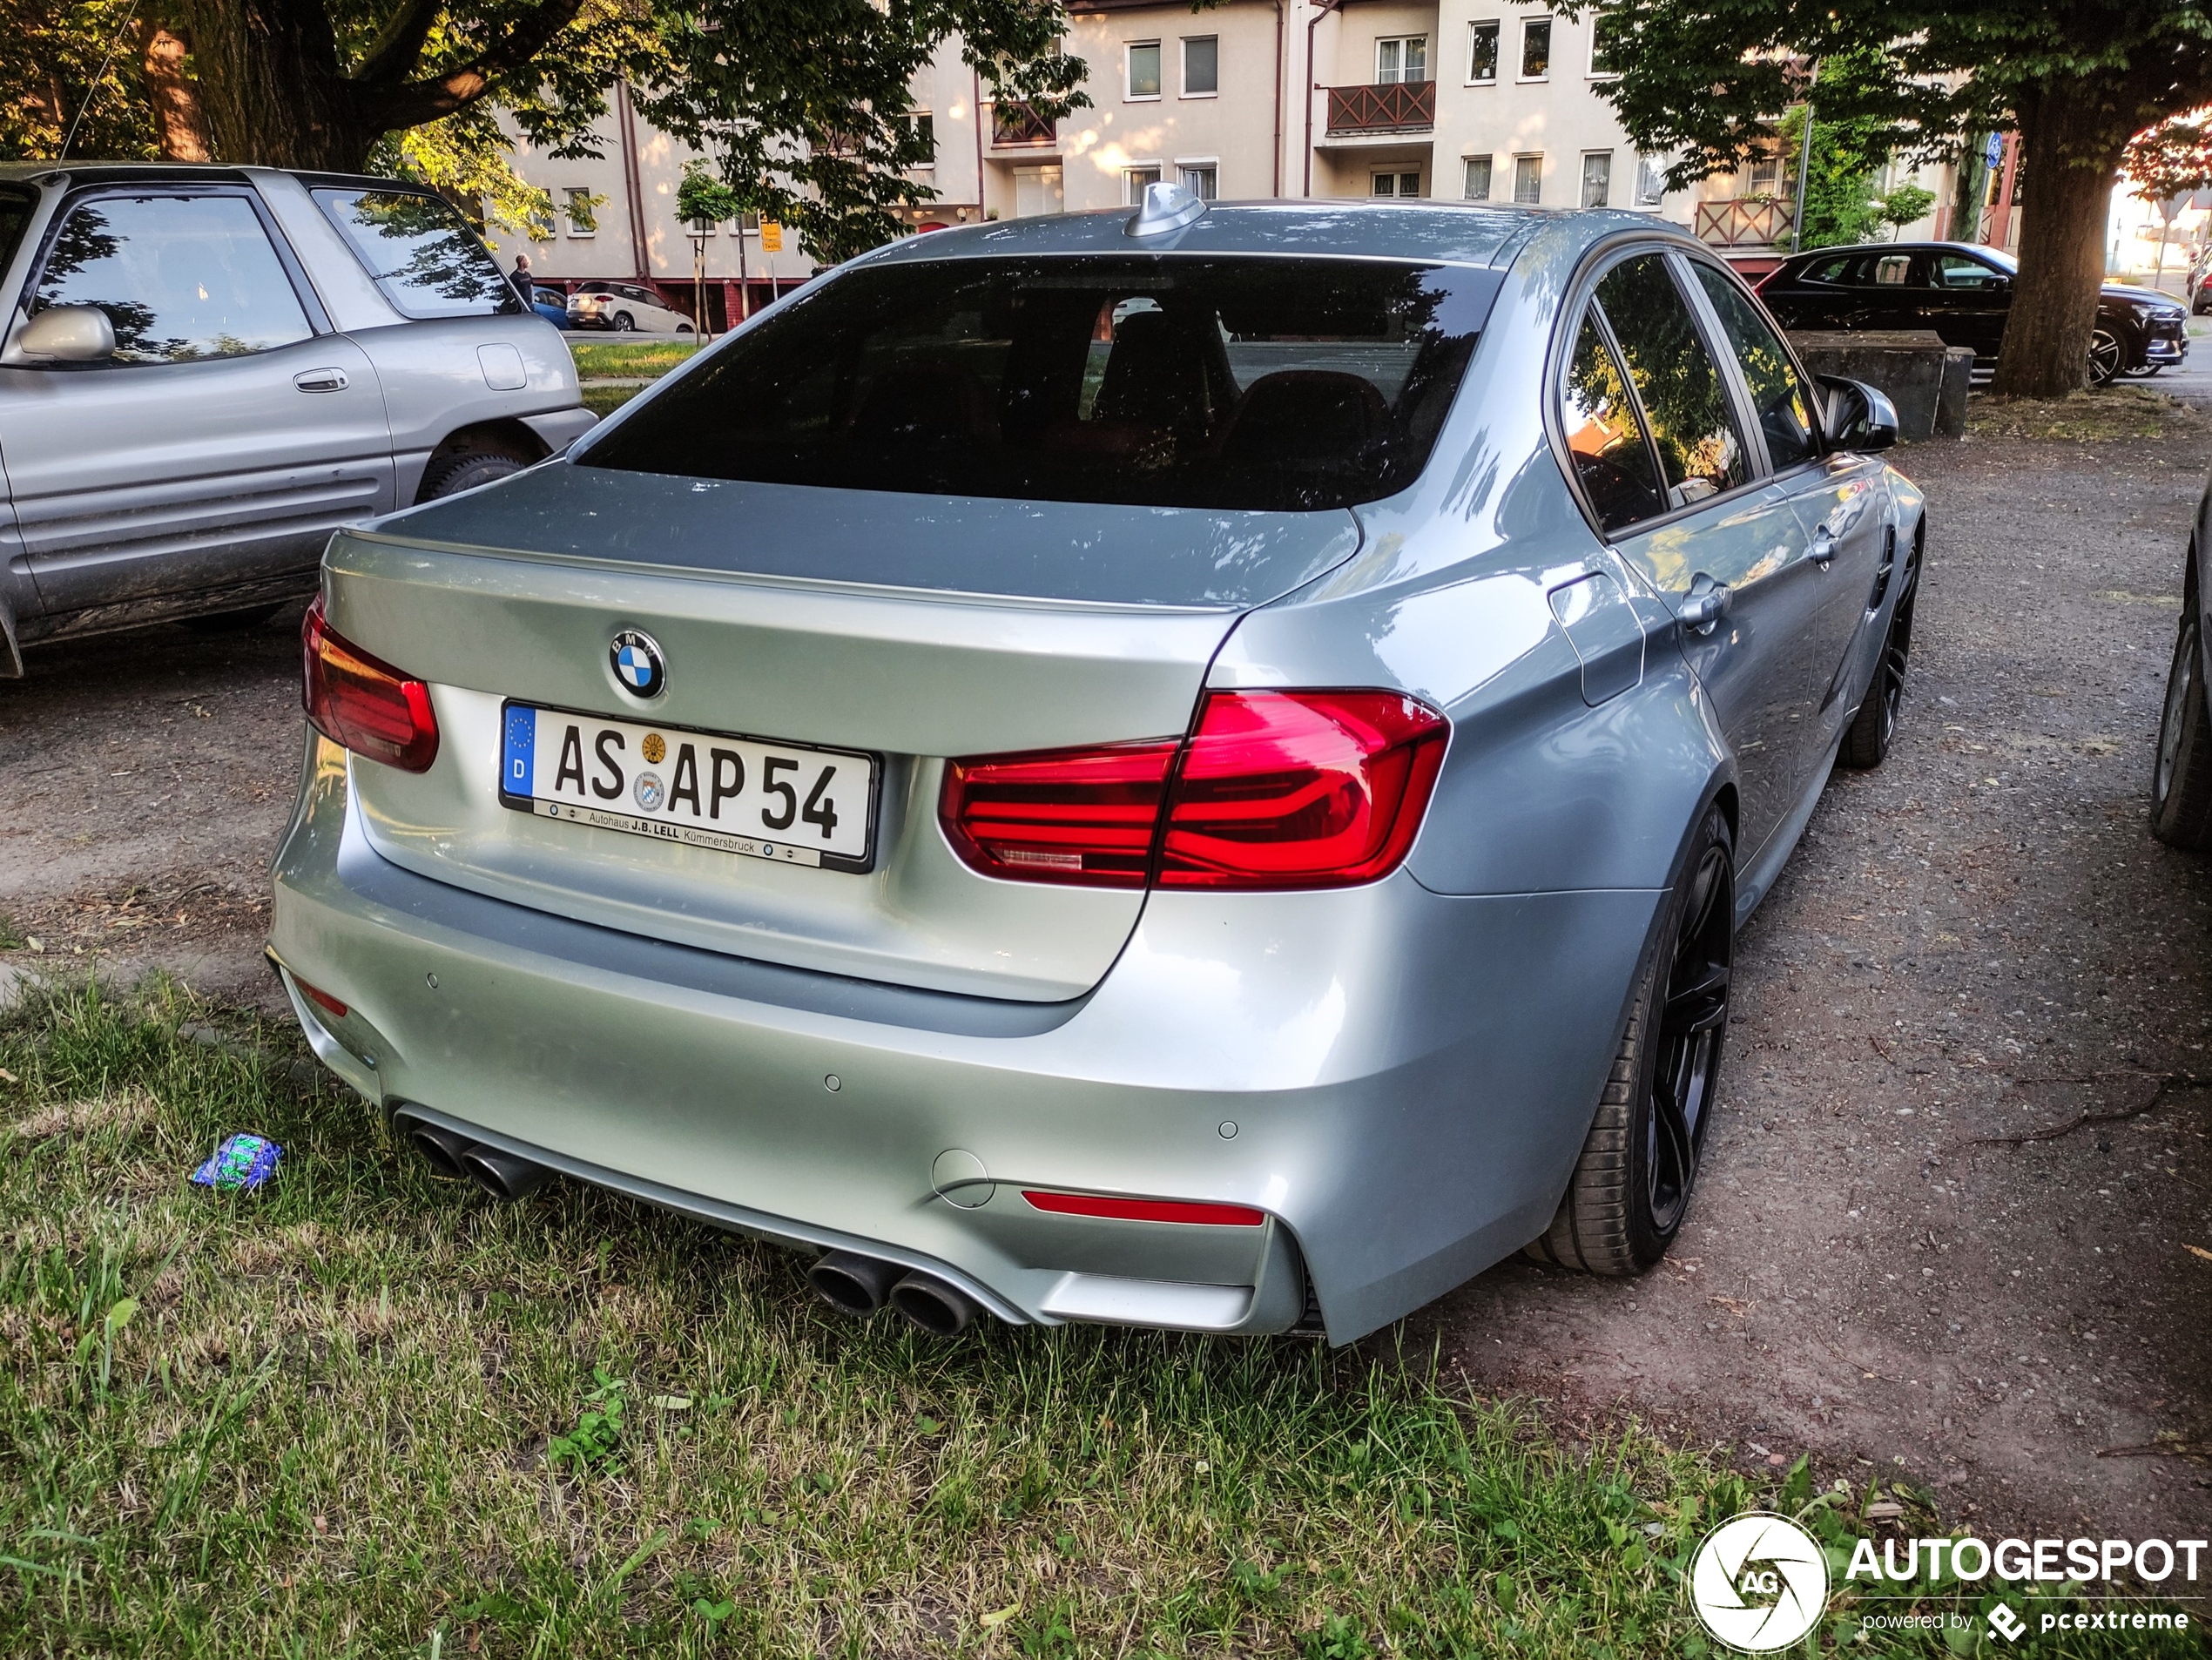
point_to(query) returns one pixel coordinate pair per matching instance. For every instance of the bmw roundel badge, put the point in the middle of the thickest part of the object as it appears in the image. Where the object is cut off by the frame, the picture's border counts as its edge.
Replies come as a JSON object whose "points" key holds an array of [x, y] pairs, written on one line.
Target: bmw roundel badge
{"points": [[639, 663]]}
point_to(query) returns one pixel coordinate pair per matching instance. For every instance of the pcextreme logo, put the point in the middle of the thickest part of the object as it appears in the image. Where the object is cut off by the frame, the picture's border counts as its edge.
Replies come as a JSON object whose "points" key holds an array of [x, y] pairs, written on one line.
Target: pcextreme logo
{"points": [[1759, 1582]]}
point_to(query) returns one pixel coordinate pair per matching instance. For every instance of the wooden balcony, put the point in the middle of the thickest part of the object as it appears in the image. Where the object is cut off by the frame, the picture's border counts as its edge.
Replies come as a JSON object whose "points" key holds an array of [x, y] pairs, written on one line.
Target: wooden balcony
{"points": [[1742, 222], [1395, 106], [1015, 124]]}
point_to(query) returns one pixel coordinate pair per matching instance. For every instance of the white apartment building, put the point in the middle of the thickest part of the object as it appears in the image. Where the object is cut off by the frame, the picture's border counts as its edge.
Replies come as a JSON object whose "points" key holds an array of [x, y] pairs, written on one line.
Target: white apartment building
{"points": [[1479, 100]]}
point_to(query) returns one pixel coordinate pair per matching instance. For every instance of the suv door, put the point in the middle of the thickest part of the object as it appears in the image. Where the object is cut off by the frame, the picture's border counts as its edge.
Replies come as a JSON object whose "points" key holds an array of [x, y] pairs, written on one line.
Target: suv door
{"points": [[1966, 301], [1839, 499], [227, 436], [1652, 428]]}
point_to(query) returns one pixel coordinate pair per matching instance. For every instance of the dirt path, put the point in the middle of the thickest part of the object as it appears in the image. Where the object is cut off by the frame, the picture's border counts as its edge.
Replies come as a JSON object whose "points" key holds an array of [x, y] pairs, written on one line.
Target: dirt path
{"points": [[1979, 941]]}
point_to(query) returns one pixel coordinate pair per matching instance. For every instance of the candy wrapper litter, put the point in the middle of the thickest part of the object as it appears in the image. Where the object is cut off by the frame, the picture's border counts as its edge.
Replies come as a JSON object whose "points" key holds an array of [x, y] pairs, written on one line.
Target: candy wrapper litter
{"points": [[240, 1162]]}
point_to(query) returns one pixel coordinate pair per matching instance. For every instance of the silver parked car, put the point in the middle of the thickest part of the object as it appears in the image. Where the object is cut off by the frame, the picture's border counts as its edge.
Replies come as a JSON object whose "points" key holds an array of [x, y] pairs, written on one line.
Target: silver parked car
{"points": [[204, 371], [1196, 769]]}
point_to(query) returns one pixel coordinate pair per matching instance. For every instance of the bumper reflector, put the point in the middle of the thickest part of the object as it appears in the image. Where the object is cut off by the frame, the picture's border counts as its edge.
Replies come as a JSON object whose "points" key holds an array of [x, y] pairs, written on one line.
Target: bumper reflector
{"points": [[1185, 1210], [319, 998]]}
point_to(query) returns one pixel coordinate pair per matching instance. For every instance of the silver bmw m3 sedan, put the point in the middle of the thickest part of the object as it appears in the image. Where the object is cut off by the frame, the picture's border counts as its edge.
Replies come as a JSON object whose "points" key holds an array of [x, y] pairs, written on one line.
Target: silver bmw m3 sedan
{"points": [[1195, 767]]}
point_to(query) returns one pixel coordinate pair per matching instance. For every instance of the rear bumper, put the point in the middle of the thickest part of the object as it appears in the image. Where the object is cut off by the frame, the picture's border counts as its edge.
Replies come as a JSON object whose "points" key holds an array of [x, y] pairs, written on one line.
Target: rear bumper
{"points": [[561, 427], [1409, 1077]]}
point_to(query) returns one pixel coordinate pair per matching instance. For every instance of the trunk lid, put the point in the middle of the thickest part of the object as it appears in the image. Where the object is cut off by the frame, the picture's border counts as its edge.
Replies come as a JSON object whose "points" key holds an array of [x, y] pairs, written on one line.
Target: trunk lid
{"points": [[913, 629]]}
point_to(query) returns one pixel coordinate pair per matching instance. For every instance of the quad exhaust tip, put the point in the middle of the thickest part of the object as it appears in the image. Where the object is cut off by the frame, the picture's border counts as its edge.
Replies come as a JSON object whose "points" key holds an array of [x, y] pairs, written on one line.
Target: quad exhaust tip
{"points": [[456, 1156], [859, 1285]]}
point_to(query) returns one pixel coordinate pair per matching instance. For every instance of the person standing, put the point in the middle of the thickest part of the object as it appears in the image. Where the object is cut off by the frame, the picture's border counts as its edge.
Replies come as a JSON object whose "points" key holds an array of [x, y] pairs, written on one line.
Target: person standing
{"points": [[524, 284]]}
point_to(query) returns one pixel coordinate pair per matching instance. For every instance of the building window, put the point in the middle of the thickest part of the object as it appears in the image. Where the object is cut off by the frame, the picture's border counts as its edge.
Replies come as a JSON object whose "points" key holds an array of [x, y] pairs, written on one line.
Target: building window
{"points": [[924, 126], [1134, 180], [1536, 49], [1144, 69], [1604, 32], [1401, 57], [1201, 66], [1398, 186], [1597, 179], [1651, 180], [1528, 179], [1768, 176], [1204, 182], [1478, 180], [582, 219], [1482, 52]]}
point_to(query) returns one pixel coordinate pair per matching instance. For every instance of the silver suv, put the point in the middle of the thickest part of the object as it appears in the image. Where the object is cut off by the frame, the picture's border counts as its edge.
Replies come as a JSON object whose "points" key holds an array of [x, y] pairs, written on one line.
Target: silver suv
{"points": [[204, 371]]}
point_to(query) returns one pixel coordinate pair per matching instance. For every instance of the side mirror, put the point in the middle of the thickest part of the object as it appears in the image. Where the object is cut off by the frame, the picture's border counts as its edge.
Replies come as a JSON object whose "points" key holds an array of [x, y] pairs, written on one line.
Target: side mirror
{"points": [[68, 335], [1859, 416]]}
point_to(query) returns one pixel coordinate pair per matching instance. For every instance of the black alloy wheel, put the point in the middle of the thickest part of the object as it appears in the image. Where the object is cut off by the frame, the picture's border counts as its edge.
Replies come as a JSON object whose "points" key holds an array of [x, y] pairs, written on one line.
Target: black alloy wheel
{"points": [[1867, 742], [2180, 791], [1692, 1023], [1631, 1187], [2107, 357]]}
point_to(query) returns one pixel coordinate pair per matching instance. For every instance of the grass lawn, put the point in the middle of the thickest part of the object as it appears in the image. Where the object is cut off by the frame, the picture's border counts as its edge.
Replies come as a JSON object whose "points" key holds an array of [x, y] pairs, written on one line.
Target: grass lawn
{"points": [[2118, 411], [602, 401], [596, 358], [363, 1412]]}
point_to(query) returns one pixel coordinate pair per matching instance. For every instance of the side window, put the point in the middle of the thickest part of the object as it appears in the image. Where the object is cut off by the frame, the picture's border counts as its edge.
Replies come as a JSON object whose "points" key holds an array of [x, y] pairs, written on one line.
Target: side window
{"points": [[1778, 397], [1825, 271], [1612, 459], [422, 252], [1894, 271], [1958, 270], [182, 278], [1677, 380]]}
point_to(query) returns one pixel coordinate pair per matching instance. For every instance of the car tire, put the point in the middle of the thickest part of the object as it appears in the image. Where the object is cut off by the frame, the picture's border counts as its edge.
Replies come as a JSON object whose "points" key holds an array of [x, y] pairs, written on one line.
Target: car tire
{"points": [[685, 328], [2107, 357], [2180, 787], [1866, 742], [467, 467], [1630, 1190], [624, 323]]}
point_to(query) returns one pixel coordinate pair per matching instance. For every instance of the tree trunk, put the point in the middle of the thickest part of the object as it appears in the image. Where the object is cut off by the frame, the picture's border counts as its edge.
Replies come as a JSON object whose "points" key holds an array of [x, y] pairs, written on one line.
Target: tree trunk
{"points": [[2074, 136], [270, 87], [177, 115]]}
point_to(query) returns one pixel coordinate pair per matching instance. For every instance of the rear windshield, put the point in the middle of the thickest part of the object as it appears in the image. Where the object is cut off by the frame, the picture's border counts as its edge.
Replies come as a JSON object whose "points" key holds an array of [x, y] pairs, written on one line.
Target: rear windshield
{"points": [[1165, 380], [422, 252]]}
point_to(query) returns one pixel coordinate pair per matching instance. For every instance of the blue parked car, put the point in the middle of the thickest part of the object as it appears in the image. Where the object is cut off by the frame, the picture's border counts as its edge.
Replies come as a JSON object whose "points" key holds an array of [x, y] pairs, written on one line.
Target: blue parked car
{"points": [[551, 304], [1196, 769]]}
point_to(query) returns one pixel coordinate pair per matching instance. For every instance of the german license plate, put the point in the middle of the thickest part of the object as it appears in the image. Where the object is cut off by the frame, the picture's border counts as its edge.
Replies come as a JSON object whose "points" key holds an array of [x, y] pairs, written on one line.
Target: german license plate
{"points": [[792, 803]]}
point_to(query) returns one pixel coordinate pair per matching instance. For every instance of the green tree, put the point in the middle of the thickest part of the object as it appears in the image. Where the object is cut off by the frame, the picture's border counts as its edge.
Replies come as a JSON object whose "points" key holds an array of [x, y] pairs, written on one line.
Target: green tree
{"points": [[1706, 80], [803, 103], [1839, 184], [1904, 205]]}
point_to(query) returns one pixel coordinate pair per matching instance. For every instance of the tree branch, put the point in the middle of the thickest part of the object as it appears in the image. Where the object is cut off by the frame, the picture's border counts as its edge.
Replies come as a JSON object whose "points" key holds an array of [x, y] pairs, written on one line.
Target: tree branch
{"points": [[392, 56], [416, 102]]}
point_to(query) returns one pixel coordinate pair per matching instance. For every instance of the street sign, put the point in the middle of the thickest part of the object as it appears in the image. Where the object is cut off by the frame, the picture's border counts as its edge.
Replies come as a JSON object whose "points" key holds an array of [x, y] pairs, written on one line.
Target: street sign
{"points": [[772, 237]]}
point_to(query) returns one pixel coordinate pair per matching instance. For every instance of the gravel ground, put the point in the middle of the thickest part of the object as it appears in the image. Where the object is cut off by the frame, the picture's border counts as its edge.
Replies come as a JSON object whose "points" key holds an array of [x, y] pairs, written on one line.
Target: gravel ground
{"points": [[1980, 941]]}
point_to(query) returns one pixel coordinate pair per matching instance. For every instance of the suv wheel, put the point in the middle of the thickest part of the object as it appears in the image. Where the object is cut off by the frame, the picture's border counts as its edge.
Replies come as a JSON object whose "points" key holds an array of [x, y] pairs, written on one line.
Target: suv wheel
{"points": [[624, 323], [2106, 357], [2181, 787], [477, 461], [1630, 1190]]}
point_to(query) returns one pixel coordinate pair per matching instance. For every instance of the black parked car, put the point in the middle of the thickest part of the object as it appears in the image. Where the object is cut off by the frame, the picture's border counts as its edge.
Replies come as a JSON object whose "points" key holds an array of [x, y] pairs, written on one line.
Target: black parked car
{"points": [[1962, 291]]}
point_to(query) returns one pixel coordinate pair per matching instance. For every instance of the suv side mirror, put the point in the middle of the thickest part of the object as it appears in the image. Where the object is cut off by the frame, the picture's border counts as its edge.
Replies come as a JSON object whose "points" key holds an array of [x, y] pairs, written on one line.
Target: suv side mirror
{"points": [[68, 335], [1859, 416]]}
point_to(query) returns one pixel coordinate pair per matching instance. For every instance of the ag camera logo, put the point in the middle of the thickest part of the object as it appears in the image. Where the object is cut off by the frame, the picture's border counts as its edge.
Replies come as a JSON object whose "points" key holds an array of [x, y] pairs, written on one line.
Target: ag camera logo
{"points": [[1759, 1582]]}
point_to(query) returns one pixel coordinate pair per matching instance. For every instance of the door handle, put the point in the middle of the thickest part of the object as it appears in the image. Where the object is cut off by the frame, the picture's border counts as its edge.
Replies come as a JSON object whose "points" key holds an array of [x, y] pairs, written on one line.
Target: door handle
{"points": [[321, 380], [1705, 603], [1822, 549]]}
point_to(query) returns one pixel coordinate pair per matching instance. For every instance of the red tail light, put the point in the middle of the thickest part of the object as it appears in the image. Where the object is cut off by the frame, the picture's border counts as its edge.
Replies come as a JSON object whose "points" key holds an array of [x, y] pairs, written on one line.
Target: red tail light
{"points": [[1274, 789], [319, 998], [1068, 815], [368, 706]]}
